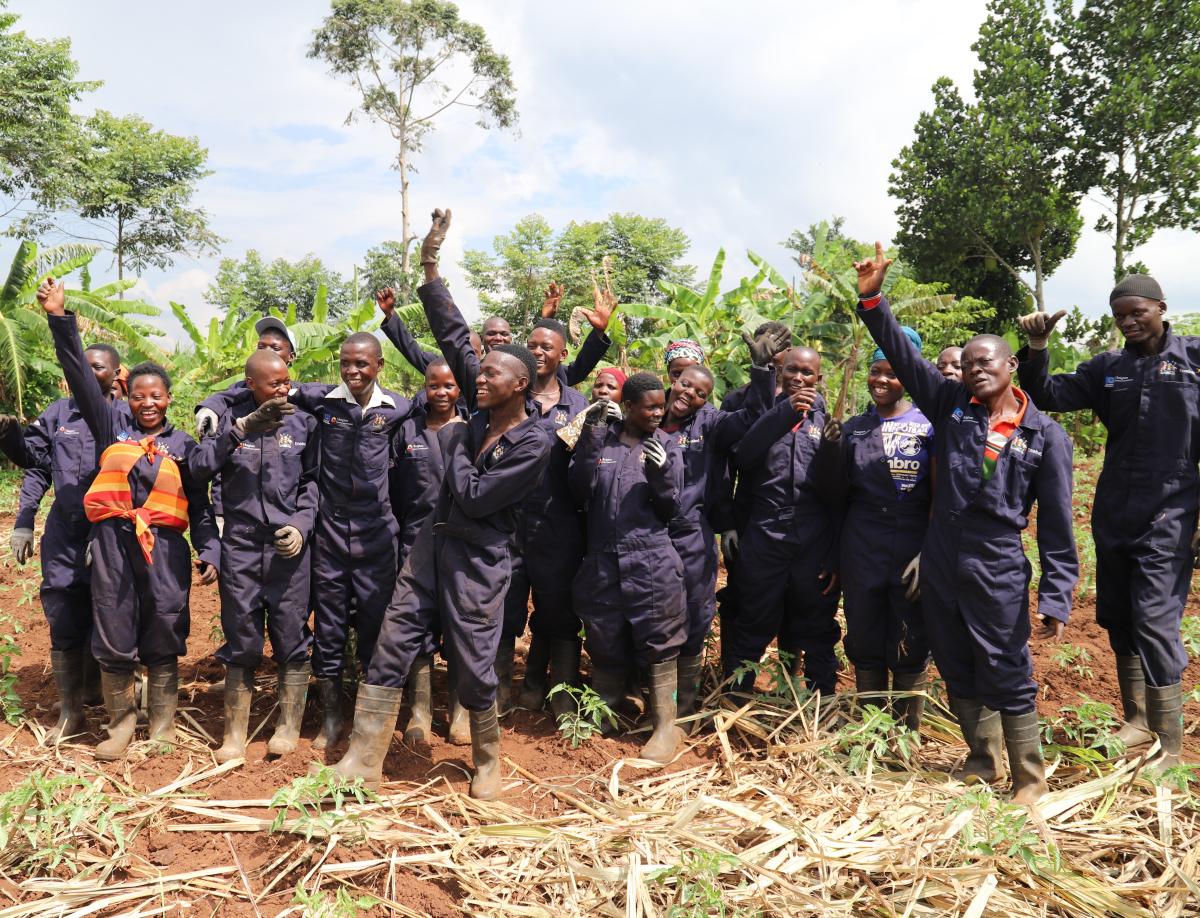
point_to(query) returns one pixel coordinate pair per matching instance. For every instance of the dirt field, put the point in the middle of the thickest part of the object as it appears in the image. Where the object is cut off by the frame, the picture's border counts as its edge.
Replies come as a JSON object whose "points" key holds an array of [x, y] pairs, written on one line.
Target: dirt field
{"points": [[537, 759]]}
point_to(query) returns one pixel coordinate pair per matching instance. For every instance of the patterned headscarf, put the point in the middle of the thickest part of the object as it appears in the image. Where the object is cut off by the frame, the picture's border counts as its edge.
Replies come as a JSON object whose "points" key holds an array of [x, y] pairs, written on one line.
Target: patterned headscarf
{"points": [[684, 347]]}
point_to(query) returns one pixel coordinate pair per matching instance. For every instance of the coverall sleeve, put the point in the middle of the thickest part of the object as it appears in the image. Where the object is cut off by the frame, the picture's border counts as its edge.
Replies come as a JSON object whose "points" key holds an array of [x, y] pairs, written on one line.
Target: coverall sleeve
{"points": [[731, 426], [206, 541], [1062, 391], [307, 497], [752, 450], [581, 475], [595, 346], [453, 337], [308, 396], [666, 485], [96, 410], [933, 393], [397, 333], [212, 453], [1055, 526], [479, 494], [221, 402], [34, 485]]}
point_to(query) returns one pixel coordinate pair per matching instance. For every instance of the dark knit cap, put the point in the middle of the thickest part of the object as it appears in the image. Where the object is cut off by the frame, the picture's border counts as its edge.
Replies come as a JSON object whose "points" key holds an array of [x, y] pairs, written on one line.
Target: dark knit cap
{"points": [[1142, 285]]}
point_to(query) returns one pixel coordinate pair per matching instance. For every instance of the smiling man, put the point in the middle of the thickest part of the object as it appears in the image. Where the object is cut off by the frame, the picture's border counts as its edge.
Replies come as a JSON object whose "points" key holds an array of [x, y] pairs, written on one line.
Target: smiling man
{"points": [[1144, 517]]}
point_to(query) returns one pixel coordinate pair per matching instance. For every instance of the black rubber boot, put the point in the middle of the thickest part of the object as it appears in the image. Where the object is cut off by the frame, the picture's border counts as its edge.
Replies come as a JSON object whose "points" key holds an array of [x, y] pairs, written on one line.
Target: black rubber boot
{"points": [[689, 688], [375, 714], [163, 686], [92, 695], [67, 667], [981, 728], [1022, 739], [908, 710], [609, 684], [868, 683], [504, 673], [535, 686], [1164, 715], [330, 693], [1132, 679], [664, 741], [419, 692], [564, 670], [122, 715], [293, 693], [459, 732], [239, 691], [485, 752]]}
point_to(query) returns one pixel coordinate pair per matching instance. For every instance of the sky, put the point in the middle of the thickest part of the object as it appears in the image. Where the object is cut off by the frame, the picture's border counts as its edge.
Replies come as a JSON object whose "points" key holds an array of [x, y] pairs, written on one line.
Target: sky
{"points": [[736, 122]]}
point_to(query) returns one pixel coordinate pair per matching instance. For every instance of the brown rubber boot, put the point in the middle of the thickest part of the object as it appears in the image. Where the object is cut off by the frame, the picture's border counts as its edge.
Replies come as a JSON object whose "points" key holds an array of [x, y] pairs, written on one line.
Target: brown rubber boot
{"points": [[908, 711], [1164, 715], [485, 753], [67, 667], [665, 740], [330, 693], [293, 693], [504, 673], [1022, 738], [239, 691], [564, 670], [419, 692], [374, 726], [163, 685], [1132, 679], [535, 686], [122, 715], [984, 735], [868, 683], [687, 697]]}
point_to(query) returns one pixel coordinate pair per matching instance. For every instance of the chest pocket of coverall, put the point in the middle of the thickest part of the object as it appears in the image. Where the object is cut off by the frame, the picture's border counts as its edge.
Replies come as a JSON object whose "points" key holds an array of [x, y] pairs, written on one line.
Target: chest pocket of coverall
{"points": [[375, 443], [67, 456], [1176, 400], [1013, 479]]}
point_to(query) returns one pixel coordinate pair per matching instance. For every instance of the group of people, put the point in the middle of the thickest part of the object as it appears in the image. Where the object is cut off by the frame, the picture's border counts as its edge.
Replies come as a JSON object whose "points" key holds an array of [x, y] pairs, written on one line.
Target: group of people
{"points": [[500, 498]]}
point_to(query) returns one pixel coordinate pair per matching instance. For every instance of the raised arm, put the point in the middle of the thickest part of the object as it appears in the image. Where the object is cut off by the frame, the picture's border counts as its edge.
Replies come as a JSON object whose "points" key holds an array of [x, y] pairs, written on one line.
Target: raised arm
{"points": [[482, 493], [597, 343], [731, 425], [95, 408], [397, 333], [453, 336], [1061, 391], [211, 453], [751, 451], [1055, 526]]}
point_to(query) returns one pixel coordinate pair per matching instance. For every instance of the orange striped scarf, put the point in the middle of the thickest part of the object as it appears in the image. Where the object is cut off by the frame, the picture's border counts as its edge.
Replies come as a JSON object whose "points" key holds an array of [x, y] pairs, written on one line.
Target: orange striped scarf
{"points": [[109, 496]]}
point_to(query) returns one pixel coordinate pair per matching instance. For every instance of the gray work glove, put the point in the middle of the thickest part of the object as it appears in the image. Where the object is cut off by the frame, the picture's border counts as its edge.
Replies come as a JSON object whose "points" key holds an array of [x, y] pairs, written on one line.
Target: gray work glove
{"points": [[206, 422], [911, 578], [601, 412], [22, 544], [288, 541], [267, 416]]}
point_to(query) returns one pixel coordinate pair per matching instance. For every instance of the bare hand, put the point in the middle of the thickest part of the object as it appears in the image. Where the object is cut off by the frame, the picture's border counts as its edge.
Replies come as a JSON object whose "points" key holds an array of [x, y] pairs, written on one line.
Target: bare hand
{"points": [[1037, 327], [833, 430], [436, 236], [554, 295], [53, 297], [208, 573], [604, 304], [802, 400], [1052, 629], [386, 299], [872, 271], [833, 584]]}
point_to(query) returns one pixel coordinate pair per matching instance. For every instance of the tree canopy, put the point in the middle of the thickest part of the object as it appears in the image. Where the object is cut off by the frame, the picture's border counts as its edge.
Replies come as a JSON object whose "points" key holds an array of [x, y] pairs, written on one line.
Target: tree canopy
{"points": [[253, 285]]}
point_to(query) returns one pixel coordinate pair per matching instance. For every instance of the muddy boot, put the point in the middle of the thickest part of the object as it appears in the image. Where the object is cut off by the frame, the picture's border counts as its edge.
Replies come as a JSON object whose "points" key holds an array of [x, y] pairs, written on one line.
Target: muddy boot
{"points": [[984, 735], [293, 692], [67, 666], [688, 700], [122, 715], [91, 679], [419, 692], [330, 693], [665, 740], [1023, 741], [609, 684], [239, 690], [459, 732], [868, 683], [534, 688], [163, 686], [504, 673], [485, 753], [564, 670], [1132, 679], [375, 715], [1164, 716], [908, 710]]}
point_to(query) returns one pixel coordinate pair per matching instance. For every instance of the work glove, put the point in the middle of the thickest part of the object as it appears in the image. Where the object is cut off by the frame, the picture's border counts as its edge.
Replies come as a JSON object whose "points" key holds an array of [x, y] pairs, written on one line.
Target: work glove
{"points": [[206, 422], [766, 346], [1037, 327], [833, 430], [729, 548], [601, 412], [911, 578], [7, 425], [267, 416], [436, 236], [288, 541], [655, 455], [22, 544]]}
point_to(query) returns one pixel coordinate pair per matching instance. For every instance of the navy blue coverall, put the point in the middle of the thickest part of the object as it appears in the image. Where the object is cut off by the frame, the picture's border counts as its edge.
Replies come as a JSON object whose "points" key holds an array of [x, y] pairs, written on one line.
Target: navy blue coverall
{"points": [[269, 480], [630, 590], [1148, 494], [789, 540], [974, 573], [141, 611], [883, 521], [59, 449]]}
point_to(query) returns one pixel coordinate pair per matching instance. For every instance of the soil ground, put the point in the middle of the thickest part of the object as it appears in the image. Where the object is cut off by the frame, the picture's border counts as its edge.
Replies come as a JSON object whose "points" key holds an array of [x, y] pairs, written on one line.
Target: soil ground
{"points": [[530, 741]]}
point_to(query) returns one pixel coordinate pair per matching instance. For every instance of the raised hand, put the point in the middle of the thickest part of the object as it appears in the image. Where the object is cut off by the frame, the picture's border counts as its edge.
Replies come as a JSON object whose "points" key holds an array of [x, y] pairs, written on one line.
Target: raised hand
{"points": [[600, 412], [871, 272], [554, 295], [435, 237], [1037, 327], [267, 416], [386, 300], [766, 346], [206, 422], [802, 400], [52, 297], [655, 454], [604, 304]]}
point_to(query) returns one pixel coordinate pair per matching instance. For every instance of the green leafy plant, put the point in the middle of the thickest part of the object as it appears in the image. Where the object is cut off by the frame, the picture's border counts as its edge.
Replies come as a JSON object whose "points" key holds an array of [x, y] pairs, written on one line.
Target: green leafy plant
{"points": [[1190, 632], [309, 794], [1089, 729], [874, 736], [781, 682], [10, 701], [343, 904], [44, 819], [696, 885], [589, 716], [1074, 658], [1002, 830]]}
